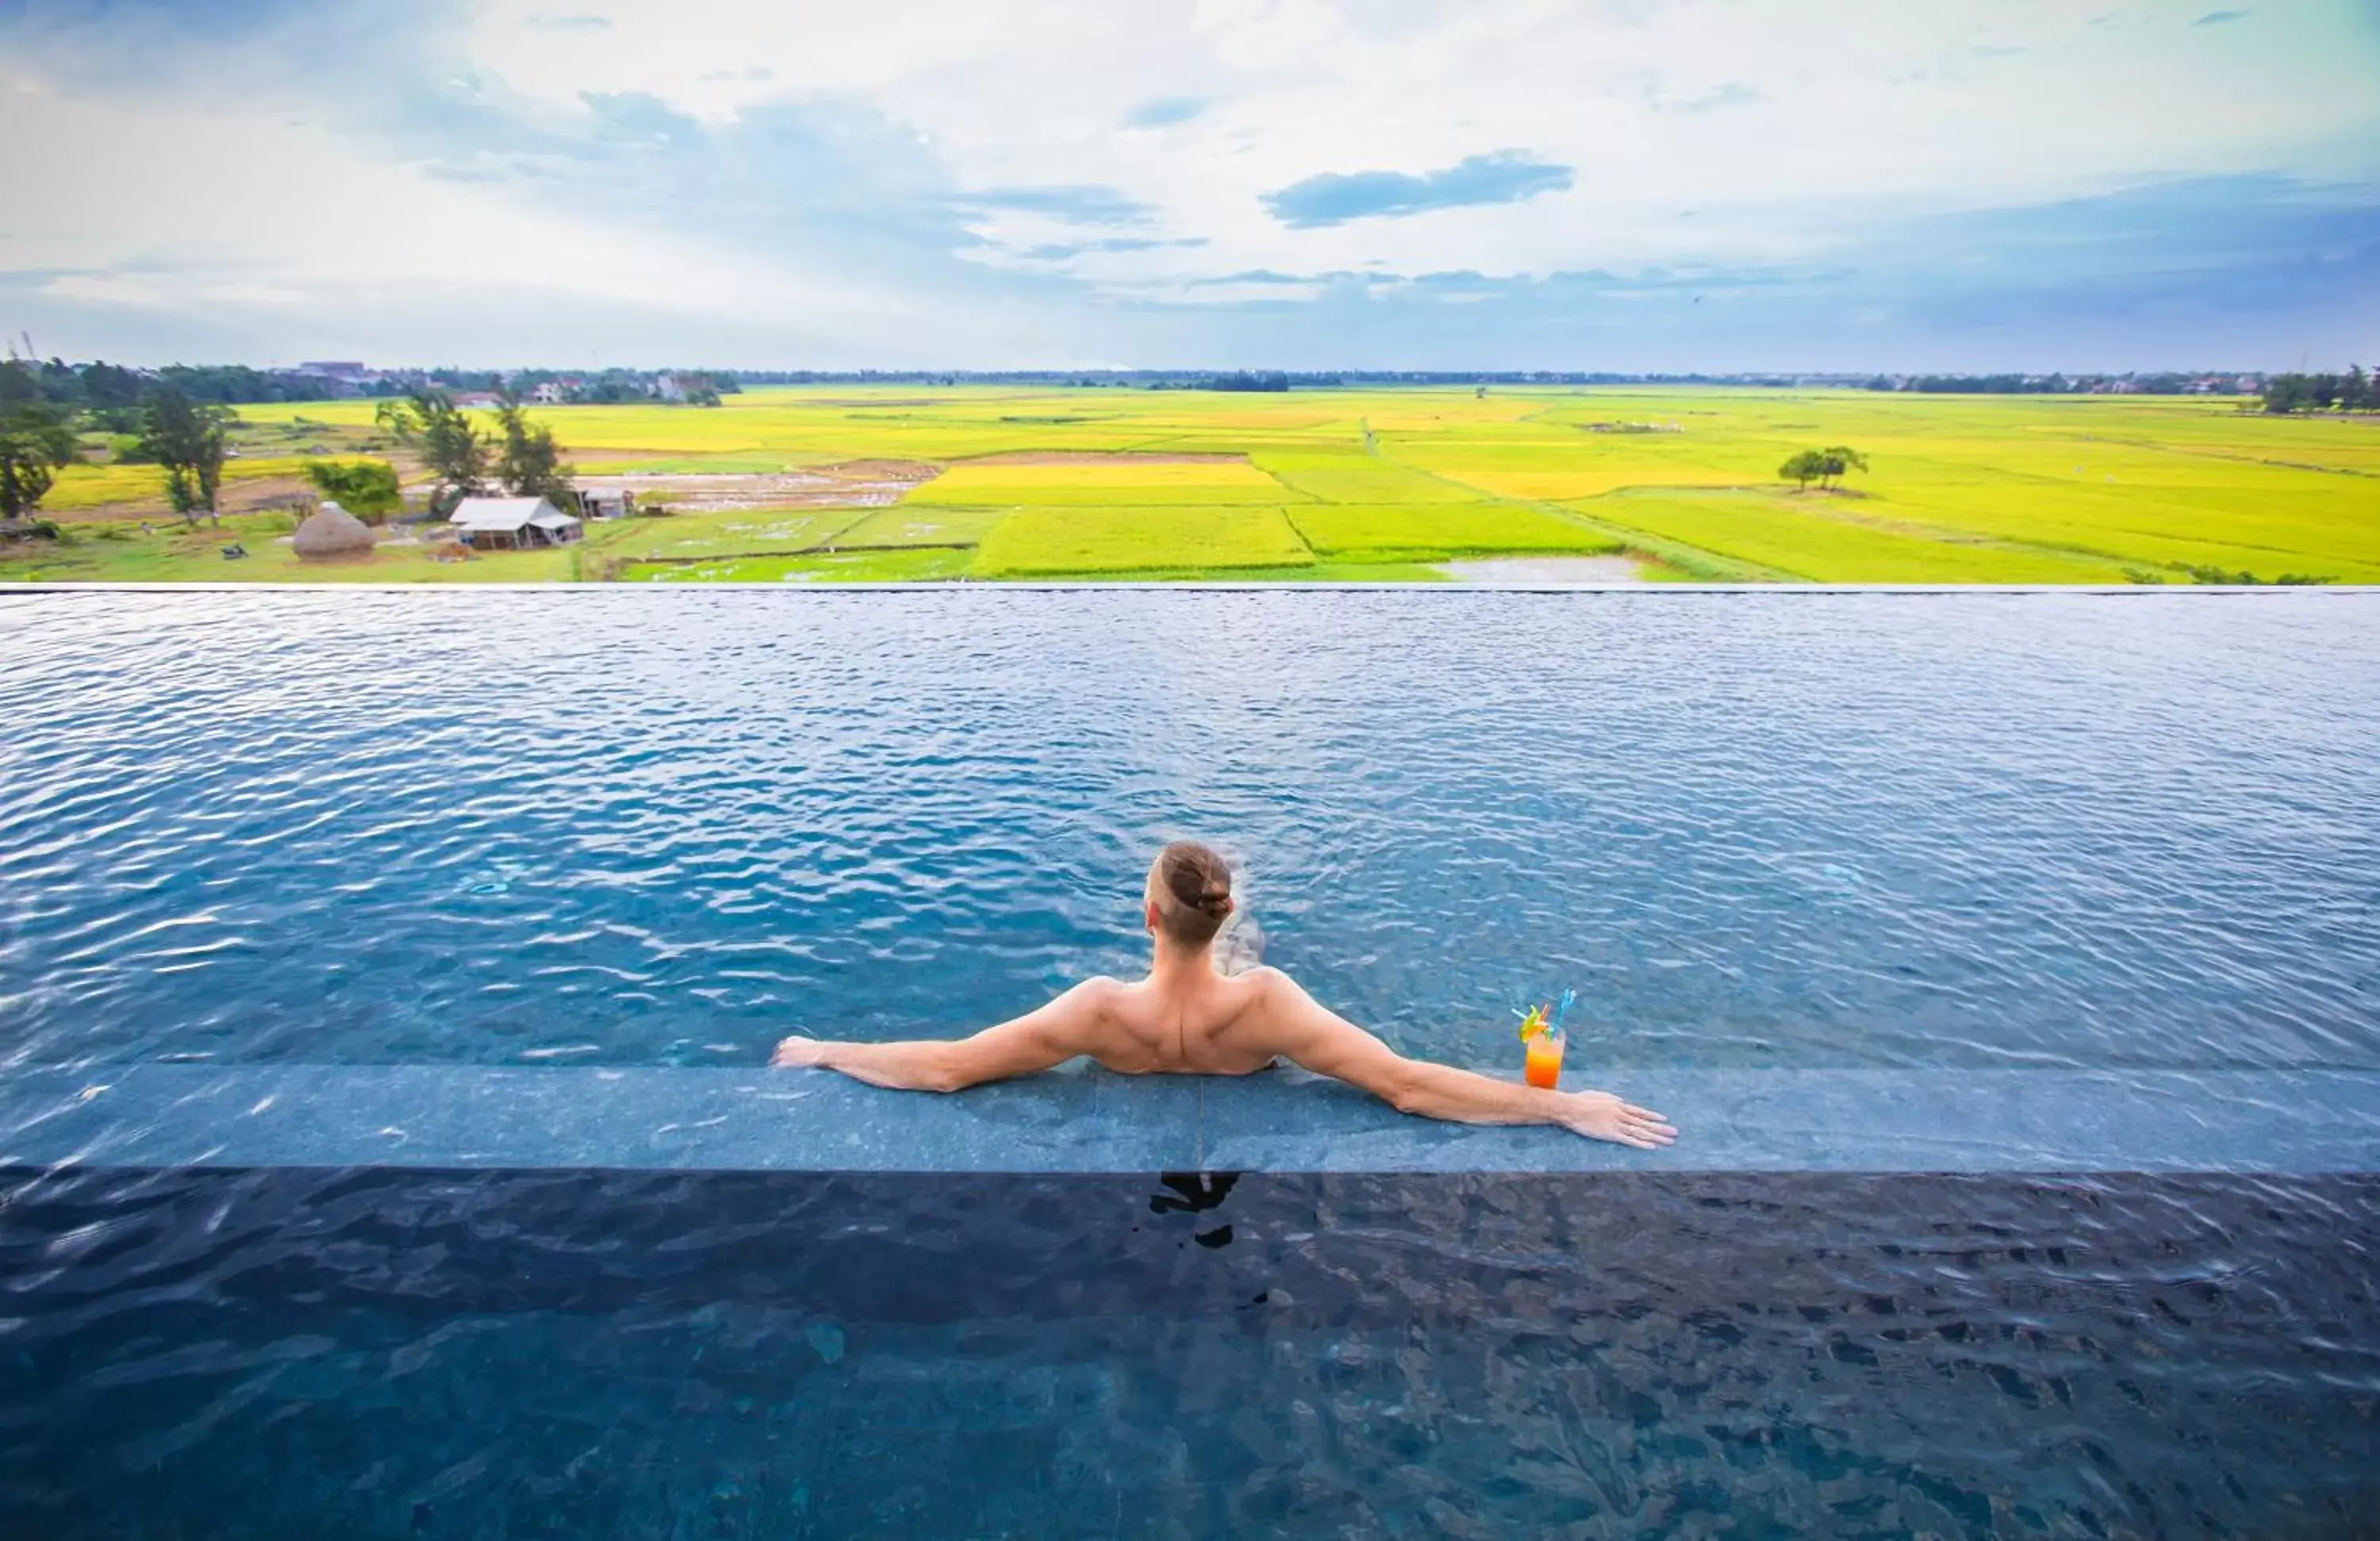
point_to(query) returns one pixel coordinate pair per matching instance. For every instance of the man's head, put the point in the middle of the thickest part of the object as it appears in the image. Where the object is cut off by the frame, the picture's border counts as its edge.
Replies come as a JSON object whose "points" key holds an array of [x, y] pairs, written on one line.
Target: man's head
{"points": [[1189, 893]]}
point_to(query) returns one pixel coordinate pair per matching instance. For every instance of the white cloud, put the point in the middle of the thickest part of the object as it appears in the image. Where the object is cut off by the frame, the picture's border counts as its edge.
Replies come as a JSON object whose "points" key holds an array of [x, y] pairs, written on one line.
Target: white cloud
{"points": [[104, 288], [270, 173]]}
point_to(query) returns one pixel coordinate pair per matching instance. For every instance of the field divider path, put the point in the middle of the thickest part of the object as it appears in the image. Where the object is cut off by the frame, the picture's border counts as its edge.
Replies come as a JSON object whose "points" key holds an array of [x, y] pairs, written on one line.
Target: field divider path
{"points": [[614, 560], [1702, 562]]}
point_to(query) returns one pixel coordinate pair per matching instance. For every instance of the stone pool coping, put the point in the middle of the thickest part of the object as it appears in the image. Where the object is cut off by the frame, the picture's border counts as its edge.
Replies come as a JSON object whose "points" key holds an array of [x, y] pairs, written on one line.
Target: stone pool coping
{"points": [[41, 586], [1084, 1120]]}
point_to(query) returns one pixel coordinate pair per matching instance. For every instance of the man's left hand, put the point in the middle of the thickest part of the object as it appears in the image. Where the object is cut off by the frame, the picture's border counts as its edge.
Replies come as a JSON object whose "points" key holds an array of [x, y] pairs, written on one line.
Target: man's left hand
{"points": [[796, 1052]]}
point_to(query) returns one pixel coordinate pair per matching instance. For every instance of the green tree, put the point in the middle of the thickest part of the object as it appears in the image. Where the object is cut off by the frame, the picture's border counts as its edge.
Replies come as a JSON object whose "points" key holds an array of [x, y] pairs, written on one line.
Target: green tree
{"points": [[528, 462], [1837, 458], [429, 421], [185, 439], [1805, 467], [366, 488], [34, 441]]}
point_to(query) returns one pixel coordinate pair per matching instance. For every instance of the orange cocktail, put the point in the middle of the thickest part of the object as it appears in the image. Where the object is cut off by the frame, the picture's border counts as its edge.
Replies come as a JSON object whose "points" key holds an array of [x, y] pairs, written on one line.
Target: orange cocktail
{"points": [[1544, 1065]]}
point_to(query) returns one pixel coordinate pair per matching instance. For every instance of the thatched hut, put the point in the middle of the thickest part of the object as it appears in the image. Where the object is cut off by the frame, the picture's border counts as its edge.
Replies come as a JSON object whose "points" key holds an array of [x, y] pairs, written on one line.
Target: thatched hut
{"points": [[331, 532]]}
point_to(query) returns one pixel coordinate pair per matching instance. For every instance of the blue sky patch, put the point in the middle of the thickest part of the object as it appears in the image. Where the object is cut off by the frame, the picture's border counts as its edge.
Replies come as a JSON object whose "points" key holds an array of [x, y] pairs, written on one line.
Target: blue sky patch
{"points": [[1164, 111], [1504, 176]]}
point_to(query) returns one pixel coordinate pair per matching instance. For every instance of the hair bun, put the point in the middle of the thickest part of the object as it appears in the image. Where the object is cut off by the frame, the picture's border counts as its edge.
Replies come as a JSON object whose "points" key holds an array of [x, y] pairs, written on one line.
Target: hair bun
{"points": [[1193, 883]]}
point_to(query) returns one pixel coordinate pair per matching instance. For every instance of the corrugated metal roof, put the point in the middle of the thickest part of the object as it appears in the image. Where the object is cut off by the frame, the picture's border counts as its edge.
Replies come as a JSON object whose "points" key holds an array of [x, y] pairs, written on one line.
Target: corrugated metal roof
{"points": [[498, 512]]}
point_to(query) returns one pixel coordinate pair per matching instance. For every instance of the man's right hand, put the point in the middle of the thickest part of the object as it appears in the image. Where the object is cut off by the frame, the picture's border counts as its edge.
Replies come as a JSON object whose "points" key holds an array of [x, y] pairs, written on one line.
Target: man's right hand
{"points": [[1601, 1116]]}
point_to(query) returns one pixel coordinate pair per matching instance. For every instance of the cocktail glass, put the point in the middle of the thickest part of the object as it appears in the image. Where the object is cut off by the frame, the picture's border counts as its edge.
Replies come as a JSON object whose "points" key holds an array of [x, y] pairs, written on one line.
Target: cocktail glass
{"points": [[1543, 1064]]}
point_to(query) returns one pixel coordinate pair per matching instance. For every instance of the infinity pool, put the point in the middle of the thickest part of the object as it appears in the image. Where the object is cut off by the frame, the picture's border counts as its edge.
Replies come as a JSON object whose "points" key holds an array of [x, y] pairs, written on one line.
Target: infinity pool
{"points": [[385, 980], [627, 828]]}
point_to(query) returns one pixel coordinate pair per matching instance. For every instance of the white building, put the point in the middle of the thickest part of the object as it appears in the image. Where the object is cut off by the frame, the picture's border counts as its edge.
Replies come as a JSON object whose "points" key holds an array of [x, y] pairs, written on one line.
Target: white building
{"points": [[548, 394], [669, 388], [512, 524]]}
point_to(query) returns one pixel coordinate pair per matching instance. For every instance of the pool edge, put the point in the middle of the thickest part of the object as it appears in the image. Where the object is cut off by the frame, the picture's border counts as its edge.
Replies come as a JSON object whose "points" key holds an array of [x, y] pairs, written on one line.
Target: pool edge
{"points": [[1082, 1120]]}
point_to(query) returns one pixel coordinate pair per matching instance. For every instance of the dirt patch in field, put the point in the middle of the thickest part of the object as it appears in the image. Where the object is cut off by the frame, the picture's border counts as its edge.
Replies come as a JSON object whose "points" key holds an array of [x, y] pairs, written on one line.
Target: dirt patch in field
{"points": [[257, 496], [911, 471], [1104, 458], [852, 484]]}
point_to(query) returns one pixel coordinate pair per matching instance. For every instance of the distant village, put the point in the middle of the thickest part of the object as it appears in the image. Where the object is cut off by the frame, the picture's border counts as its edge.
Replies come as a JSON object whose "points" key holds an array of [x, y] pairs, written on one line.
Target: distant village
{"points": [[337, 379], [342, 378]]}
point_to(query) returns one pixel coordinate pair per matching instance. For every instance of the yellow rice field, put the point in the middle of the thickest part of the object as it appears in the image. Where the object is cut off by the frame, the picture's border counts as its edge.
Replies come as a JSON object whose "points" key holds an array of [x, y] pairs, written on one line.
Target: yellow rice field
{"points": [[1391, 483]]}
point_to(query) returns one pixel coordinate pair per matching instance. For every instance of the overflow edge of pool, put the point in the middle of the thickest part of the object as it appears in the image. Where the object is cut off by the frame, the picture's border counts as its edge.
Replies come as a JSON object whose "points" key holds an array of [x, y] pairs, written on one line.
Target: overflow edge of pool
{"points": [[1093, 586], [1084, 1120]]}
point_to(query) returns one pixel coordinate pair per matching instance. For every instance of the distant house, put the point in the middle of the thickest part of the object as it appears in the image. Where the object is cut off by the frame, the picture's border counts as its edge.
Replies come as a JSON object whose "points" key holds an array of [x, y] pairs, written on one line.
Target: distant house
{"points": [[607, 505], [479, 398], [669, 387], [512, 524], [548, 394], [336, 378]]}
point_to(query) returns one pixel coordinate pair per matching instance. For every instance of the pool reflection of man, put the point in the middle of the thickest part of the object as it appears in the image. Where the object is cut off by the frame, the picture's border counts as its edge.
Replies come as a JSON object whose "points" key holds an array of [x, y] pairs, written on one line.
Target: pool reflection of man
{"points": [[1191, 1017]]}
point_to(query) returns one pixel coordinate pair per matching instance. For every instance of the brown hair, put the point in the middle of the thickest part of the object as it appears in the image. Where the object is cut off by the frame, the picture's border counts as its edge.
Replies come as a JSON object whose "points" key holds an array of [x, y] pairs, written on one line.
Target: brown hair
{"points": [[1193, 886]]}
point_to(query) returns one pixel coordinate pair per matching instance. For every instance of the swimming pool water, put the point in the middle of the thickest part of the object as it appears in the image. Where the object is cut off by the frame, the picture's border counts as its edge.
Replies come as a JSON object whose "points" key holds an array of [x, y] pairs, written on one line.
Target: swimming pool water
{"points": [[623, 827], [619, 828]]}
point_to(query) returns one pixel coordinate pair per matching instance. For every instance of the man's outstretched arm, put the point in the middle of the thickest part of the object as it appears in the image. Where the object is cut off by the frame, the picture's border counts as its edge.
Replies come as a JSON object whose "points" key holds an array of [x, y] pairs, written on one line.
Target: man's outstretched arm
{"points": [[1301, 1027], [1038, 1039]]}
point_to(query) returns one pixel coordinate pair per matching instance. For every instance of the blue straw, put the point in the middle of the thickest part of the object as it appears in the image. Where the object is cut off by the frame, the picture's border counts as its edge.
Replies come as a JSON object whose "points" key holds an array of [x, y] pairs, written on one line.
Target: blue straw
{"points": [[1563, 1010]]}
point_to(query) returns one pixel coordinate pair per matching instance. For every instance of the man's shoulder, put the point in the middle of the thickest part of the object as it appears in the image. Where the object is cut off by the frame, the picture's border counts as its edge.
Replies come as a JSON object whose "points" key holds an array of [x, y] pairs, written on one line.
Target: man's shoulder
{"points": [[1264, 986], [1099, 990]]}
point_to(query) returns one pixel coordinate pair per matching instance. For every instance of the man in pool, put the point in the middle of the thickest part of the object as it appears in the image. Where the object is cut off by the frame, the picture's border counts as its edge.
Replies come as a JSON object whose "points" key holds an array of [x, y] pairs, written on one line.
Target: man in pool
{"points": [[1190, 1017]]}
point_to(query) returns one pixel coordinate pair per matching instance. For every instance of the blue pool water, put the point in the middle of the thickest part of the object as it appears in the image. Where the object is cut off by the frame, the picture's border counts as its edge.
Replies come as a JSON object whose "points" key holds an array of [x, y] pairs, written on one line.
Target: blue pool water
{"points": [[620, 826], [284, 841]]}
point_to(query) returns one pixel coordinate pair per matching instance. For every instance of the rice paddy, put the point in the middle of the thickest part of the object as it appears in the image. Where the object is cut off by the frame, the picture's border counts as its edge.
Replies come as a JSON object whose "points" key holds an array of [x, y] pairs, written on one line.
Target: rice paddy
{"points": [[81, 487], [1385, 485]]}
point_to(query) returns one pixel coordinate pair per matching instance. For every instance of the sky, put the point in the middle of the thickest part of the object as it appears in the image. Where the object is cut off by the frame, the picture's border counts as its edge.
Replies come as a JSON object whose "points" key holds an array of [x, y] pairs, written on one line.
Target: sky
{"points": [[1624, 185]]}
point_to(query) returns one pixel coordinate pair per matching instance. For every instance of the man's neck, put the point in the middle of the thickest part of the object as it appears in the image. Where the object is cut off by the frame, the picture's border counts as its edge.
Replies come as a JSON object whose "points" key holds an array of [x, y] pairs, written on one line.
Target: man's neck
{"points": [[1174, 961]]}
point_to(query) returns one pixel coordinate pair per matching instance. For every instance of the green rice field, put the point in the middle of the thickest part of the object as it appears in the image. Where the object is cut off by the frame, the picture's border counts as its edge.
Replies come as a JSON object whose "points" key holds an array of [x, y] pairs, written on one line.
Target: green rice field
{"points": [[989, 484]]}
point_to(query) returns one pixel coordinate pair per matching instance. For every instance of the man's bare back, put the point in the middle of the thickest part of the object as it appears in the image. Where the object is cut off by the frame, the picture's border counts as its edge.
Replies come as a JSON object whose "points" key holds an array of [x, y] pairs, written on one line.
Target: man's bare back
{"points": [[1187, 1017]]}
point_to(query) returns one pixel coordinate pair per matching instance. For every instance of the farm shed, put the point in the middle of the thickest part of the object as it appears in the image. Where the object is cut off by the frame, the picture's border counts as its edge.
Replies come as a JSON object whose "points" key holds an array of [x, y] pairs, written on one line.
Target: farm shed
{"points": [[512, 524]]}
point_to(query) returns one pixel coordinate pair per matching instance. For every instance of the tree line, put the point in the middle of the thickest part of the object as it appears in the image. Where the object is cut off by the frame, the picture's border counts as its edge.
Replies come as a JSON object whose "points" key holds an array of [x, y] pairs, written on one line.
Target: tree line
{"points": [[2168, 383], [114, 394], [2354, 391]]}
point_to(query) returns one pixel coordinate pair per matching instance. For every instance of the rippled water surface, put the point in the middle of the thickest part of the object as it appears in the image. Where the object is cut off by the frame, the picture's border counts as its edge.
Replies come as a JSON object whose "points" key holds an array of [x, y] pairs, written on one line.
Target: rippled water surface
{"points": [[616, 826]]}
